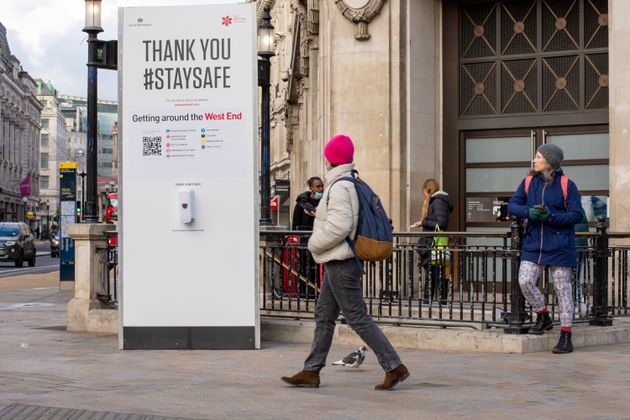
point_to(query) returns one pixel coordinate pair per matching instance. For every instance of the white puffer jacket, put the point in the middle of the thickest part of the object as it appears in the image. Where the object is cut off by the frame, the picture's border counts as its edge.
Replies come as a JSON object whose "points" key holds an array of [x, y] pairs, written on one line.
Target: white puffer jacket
{"points": [[336, 218]]}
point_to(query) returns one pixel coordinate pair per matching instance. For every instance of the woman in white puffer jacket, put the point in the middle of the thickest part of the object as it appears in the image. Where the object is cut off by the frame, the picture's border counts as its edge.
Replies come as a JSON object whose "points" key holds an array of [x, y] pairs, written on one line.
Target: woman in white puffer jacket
{"points": [[336, 218], [335, 221]]}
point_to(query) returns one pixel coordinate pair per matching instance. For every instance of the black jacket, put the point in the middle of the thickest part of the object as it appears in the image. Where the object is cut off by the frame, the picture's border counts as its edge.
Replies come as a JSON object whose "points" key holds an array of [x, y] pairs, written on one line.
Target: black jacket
{"points": [[440, 206], [301, 220]]}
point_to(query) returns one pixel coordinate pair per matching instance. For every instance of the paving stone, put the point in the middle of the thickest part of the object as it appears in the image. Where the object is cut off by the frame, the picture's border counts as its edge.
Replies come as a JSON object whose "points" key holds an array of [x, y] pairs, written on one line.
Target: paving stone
{"points": [[35, 412]]}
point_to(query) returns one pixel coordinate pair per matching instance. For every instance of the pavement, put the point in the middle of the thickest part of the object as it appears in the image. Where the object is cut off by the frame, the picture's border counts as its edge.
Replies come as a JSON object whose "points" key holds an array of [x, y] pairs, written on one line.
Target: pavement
{"points": [[86, 376]]}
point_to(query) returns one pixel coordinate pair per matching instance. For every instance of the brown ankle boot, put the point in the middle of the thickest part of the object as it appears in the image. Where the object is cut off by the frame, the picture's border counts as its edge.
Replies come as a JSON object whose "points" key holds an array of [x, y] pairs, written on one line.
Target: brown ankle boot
{"points": [[392, 378], [305, 378]]}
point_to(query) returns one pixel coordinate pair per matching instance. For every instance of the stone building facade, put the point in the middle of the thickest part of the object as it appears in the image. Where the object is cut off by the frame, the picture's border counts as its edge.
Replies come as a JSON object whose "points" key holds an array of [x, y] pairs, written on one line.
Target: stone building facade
{"points": [[19, 137], [52, 150], [458, 90], [332, 75]]}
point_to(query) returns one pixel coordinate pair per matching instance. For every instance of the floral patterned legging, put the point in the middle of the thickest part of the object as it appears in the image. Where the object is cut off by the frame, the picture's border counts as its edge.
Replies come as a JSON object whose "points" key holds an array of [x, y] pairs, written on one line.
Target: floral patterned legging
{"points": [[562, 278]]}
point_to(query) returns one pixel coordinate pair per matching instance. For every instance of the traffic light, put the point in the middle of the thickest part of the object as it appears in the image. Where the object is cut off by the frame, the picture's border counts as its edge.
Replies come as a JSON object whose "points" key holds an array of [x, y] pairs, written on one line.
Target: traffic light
{"points": [[78, 210], [106, 54]]}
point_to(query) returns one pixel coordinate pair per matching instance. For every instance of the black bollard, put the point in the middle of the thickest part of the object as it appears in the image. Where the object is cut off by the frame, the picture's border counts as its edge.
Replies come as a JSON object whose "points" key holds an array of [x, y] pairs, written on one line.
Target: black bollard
{"points": [[599, 314], [516, 318]]}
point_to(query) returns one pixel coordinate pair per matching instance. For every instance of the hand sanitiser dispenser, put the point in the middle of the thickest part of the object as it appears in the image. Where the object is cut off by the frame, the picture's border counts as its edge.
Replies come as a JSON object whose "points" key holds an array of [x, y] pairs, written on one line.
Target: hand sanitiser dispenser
{"points": [[186, 206]]}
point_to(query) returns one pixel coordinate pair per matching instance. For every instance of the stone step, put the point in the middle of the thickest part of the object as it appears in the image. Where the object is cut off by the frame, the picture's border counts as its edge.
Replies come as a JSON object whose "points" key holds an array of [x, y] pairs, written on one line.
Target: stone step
{"points": [[452, 339]]}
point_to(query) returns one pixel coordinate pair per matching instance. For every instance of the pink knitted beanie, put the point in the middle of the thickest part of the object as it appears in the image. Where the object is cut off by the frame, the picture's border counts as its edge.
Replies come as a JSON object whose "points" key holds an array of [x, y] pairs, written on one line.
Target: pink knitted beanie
{"points": [[339, 150]]}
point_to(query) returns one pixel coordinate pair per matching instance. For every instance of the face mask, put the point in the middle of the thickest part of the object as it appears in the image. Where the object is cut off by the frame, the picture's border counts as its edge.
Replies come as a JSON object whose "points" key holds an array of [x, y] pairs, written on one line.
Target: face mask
{"points": [[318, 195]]}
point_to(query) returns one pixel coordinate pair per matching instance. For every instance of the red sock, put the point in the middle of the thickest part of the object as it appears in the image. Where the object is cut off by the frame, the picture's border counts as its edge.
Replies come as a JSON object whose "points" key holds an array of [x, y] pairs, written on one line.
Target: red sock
{"points": [[565, 329], [542, 311]]}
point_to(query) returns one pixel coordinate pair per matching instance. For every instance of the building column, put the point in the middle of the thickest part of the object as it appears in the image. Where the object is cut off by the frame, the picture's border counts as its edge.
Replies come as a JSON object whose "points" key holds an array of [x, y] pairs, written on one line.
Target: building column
{"points": [[14, 146], [352, 73], [5, 136], [10, 132], [423, 72], [619, 106], [22, 140]]}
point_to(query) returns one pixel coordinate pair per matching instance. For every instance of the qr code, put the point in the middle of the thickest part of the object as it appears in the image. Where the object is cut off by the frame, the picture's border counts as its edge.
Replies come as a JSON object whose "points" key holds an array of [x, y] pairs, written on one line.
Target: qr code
{"points": [[152, 146]]}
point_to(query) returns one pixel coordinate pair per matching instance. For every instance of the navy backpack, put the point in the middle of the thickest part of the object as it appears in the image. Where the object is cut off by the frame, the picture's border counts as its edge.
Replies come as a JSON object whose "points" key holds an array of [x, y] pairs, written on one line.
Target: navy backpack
{"points": [[374, 240]]}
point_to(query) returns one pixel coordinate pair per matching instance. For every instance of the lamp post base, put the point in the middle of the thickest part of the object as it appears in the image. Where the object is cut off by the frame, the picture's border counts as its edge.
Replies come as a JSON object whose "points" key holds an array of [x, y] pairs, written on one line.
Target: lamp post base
{"points": [[601, 322], [514, 329]]}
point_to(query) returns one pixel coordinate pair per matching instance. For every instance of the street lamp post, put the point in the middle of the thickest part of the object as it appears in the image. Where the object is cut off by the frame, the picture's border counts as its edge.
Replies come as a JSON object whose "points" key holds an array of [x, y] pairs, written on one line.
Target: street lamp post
{"points": [[92, 28], [82, 174], [265, 52]]}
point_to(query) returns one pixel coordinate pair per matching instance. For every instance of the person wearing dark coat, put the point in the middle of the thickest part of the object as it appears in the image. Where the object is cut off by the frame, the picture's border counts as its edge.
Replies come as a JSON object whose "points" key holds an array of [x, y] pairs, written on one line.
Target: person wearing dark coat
{"points": [[306, 204], [436, 208], [549, 239], [303, 217]]}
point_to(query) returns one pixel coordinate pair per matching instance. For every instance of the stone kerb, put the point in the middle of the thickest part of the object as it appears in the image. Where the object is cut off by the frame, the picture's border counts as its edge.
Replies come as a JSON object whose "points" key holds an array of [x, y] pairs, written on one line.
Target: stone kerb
{"points": [[451, 339], [85, 312]]}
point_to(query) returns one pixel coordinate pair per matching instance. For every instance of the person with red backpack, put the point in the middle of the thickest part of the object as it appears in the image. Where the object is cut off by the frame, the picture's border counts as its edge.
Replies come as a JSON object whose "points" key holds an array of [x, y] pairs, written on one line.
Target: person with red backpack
{"points": [[551, 204], [337, 242]]}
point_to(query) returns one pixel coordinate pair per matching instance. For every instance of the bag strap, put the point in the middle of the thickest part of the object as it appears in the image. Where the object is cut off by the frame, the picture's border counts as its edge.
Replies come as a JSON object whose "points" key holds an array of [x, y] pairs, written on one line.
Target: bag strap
{"points": [[564, 183], [349, 241], [528, 181], [343, 178]]}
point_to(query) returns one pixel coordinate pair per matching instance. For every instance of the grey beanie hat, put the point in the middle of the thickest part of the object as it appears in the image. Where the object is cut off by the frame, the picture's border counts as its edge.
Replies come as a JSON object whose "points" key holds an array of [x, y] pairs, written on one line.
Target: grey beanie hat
{"points": [[552, 154]]}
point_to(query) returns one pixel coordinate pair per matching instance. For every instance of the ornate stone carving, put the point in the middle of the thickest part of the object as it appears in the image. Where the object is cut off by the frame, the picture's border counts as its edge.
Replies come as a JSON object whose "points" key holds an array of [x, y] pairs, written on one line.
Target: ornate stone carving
{"points": [[304, 56], [361, 12], [293, 125]]}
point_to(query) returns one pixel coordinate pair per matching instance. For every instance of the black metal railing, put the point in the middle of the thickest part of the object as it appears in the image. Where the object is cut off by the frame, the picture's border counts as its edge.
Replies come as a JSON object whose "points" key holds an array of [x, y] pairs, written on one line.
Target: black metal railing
{"points": [[109, 275], [470, 281]]}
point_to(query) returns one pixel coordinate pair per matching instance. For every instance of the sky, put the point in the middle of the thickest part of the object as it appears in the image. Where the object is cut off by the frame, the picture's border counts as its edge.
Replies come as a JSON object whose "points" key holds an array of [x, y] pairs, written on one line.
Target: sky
{"points": [[46, 36]]}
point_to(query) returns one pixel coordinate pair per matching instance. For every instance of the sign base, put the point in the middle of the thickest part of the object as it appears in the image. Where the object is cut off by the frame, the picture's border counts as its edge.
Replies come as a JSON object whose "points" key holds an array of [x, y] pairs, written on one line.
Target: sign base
{"points": [[189, 338]]}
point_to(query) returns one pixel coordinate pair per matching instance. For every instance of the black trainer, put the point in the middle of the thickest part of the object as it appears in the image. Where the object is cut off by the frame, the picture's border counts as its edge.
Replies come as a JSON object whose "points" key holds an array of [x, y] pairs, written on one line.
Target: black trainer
{"points": [[564, 344], [543, 323]]}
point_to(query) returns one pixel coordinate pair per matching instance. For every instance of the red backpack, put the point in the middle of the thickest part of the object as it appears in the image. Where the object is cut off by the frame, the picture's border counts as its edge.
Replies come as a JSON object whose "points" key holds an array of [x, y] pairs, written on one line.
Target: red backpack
{"points": [[564, 183]]}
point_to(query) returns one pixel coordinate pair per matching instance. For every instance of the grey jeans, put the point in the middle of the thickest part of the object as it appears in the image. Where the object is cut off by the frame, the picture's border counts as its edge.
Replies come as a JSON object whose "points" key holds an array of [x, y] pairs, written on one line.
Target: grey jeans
{"points": [[341, 291]]}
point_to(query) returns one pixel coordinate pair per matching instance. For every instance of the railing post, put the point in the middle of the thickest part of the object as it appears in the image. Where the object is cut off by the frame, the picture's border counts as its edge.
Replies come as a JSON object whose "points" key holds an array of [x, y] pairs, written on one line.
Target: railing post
{"points": [[516, 318], [599, 314]]}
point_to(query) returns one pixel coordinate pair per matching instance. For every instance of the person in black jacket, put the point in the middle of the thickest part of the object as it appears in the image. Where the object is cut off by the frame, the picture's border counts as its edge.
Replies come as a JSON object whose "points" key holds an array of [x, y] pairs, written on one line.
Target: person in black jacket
{"points": [[436, 208], [303, 218], [306, 204]]}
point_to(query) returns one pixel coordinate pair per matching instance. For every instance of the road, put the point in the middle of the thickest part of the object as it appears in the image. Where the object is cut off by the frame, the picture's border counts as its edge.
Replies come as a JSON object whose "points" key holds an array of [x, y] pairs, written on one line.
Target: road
{"points": [[43, 263]]}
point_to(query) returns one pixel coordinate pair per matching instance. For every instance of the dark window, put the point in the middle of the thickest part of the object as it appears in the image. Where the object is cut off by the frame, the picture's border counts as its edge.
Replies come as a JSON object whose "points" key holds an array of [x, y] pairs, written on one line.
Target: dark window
{"points": [[44, 161], [533, 56]]}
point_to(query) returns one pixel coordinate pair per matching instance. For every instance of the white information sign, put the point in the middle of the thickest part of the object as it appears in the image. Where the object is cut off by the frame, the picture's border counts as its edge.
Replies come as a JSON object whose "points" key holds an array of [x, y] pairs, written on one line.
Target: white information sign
{"points": [[189, 232]]}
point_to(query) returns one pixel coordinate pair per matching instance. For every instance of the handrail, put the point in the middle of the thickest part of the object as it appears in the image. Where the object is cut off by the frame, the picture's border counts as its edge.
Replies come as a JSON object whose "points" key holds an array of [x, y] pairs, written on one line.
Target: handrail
{"points": [[475, 234]]}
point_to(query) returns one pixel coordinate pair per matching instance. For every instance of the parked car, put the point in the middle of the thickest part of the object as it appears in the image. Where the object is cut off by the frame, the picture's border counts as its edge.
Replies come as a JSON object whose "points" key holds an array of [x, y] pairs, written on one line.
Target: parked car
{"points": [[17, 243], [54, 245]]}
